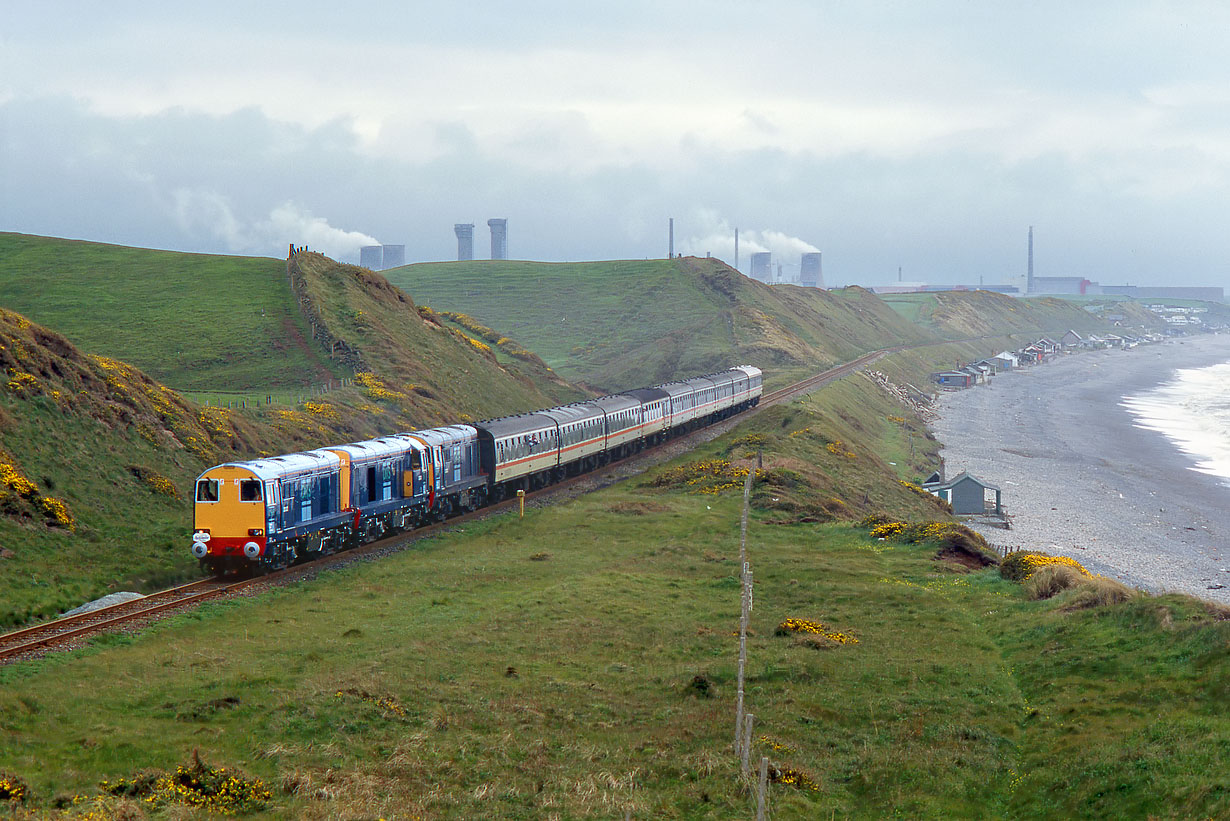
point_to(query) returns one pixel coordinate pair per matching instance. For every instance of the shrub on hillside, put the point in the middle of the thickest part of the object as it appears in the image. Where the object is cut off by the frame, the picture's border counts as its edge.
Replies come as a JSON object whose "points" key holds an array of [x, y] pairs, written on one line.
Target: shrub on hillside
{"points": [[1022, 564]]}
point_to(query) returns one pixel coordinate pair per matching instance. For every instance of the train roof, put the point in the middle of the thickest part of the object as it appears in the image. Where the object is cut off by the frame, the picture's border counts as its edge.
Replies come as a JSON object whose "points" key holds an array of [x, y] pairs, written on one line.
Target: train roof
{"points": [[381, 448], [445, 435], [292, 464], [617, 402], [514, 425], [576, 412], [675, 388], [646, 394]]}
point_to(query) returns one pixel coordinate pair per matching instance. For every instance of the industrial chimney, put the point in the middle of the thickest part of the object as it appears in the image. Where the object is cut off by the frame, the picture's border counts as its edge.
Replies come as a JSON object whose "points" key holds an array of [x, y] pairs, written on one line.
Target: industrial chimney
{"points": [[762, 266], [811, 275], [499, 238], [465, 240], [371, 257]]}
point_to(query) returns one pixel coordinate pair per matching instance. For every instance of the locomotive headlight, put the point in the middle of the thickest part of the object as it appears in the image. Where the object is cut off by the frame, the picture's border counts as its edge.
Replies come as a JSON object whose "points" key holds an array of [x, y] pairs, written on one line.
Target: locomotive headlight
{"points": [[252, 550], [200, 536], [200, 549], [256, 531]]}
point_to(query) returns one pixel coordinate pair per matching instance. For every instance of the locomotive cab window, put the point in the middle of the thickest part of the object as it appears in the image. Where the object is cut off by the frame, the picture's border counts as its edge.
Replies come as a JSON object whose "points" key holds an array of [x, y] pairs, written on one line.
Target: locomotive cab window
{"points": [[416, 460], [207, 490], [250, 490]]}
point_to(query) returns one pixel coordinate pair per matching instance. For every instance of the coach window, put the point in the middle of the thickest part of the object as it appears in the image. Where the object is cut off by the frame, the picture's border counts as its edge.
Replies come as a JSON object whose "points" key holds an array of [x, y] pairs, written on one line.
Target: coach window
{"points": [[250, 490], [207, 490]]}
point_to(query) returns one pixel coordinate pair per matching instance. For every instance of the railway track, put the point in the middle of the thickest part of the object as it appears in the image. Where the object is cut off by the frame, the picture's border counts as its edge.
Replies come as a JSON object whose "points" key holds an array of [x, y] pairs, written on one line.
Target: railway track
{"points": [[66, 629], [69, 630]]}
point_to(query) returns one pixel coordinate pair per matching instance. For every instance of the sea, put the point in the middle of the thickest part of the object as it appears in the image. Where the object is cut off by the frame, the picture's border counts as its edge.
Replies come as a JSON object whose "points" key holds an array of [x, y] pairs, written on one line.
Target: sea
{"points": [[1192, 410]]}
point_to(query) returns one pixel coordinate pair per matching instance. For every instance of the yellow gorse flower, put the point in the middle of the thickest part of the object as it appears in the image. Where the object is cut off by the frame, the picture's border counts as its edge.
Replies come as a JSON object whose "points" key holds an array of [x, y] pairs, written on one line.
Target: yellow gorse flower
{"points": [[793, 625]]}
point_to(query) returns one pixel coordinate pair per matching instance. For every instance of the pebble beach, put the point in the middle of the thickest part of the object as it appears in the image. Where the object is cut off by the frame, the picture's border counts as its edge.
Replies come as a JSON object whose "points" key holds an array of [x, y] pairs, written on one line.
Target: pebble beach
{"points": [[1079, 478]]}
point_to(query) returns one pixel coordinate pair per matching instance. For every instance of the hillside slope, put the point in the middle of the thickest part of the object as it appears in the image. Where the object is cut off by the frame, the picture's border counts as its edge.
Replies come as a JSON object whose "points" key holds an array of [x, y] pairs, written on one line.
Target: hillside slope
{"points": [[625, 323], [192, 321], [957, 314], [97, 458]]}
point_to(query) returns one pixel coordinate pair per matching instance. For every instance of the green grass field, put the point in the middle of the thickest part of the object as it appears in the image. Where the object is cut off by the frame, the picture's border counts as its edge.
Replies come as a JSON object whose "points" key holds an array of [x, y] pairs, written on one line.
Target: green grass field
{"points": [[193, 321], [580, 663]]}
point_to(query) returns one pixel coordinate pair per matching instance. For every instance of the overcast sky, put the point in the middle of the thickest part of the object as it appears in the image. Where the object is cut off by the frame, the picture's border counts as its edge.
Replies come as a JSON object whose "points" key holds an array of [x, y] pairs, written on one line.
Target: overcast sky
{"points": [[926, 135]]}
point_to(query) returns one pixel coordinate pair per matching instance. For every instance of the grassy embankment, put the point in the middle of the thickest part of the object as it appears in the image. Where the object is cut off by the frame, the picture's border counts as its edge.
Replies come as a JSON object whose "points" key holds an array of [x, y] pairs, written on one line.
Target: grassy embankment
{"points": [[628, 323], [196, 322], [120, 450], [580, 663]]}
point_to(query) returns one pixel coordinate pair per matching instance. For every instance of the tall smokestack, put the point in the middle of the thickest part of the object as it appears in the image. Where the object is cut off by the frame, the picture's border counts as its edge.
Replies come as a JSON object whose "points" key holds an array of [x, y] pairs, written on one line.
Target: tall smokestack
{"points": [[736, 249], [499, 238], [1029, 268], [465, 240], [671, 231]]}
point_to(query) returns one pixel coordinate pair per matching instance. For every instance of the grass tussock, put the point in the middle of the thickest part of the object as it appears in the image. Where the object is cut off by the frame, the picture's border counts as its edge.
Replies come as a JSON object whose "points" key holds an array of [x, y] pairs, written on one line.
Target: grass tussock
{"points": [[1050, 581], [1098, 591]]}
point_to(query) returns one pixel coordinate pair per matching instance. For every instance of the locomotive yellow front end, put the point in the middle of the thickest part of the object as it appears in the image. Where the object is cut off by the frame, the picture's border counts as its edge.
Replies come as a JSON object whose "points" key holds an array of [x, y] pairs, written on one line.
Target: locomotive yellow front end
{"points": [[229, 518]]}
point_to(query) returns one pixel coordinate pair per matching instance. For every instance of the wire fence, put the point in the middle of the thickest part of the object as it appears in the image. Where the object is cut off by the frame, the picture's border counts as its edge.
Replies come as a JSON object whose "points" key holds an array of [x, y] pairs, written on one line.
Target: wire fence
{"points": [[258, 399]]}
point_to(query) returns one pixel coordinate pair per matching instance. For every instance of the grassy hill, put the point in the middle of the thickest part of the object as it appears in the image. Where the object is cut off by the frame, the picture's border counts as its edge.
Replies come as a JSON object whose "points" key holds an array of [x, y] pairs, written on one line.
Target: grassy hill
{"points": [[580, 663], [627, 323], [192, 321], [93, 441]]}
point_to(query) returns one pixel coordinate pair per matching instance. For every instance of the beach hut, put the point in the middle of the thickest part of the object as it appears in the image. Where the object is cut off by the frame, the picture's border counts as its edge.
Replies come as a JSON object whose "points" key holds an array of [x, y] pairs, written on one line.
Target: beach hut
{"points": [[969, 495], [1007, 361], [952, 379]]}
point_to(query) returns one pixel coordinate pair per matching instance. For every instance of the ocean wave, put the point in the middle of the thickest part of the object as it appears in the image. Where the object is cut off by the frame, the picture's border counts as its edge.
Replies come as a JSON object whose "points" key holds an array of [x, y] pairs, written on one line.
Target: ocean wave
{"points": [[1192, 410]]}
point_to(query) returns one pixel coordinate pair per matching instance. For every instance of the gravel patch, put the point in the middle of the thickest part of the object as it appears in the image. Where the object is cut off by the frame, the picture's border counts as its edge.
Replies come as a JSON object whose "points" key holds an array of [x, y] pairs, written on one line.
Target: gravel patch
{"points": [[105, 601], [1079, 479]]}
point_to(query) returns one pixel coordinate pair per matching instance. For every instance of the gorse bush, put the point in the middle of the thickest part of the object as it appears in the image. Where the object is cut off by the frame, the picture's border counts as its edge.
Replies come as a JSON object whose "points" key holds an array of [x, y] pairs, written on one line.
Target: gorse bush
{"points": [[1022, 564], [944, 533]]}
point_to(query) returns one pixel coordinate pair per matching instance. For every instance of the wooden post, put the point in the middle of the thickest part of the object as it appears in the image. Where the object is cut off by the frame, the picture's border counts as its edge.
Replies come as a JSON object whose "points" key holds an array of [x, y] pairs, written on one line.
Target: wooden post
{"points": [[743, 615], [748, 721], [521, 499], [760, 791]]}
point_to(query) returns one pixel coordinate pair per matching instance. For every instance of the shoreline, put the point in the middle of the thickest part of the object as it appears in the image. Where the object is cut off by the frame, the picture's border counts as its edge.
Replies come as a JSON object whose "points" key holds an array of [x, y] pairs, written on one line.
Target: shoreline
{"points": [[1080, 478]]}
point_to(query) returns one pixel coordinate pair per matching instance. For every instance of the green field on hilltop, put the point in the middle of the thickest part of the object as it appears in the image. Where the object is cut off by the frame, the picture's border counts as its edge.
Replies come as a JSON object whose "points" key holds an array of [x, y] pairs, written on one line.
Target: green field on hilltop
{"points": [[623, 324], [574, 315], [581, 663], [194, 321]]}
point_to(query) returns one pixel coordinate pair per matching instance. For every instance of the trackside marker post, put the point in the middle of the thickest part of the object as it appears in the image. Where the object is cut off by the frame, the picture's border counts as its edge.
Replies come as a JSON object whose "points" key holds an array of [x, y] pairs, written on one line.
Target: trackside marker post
{"points": [[521, 499]]}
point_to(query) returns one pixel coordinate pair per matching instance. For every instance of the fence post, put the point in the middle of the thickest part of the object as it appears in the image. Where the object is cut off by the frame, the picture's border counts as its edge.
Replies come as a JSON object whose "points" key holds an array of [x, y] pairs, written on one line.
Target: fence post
{"points": [[748, 721], [760, 792], [740, 741]]}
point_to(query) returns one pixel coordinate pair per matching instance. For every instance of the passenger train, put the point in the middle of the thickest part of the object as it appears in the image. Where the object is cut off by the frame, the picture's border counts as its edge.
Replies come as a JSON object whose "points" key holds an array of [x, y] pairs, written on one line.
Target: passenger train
{"points": [[266, 514]]}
